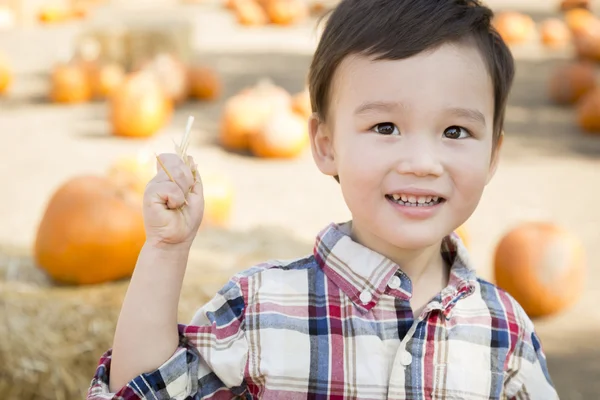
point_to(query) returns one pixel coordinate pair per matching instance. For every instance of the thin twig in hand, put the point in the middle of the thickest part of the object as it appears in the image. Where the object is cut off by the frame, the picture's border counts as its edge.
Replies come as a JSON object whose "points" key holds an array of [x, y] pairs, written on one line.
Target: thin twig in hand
{"points": [[168, 174]]}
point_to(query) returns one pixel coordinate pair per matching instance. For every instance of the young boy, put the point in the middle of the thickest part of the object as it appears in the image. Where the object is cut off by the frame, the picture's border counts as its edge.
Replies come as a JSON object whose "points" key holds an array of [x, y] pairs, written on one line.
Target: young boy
{"points": [[409, 99]]}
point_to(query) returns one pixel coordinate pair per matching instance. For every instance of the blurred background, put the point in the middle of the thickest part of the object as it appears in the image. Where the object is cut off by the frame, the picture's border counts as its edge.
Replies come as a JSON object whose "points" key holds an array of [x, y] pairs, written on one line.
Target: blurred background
{"points": [[92, 89]]}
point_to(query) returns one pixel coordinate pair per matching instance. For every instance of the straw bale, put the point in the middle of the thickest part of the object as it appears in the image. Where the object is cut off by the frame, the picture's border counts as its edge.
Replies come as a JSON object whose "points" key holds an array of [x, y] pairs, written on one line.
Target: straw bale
{"points": [[52, 335]]}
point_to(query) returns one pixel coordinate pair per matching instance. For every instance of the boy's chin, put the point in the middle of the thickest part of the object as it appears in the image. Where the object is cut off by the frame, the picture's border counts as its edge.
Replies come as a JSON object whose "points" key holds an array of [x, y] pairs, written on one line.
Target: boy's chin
{"points": [[413, 239]]}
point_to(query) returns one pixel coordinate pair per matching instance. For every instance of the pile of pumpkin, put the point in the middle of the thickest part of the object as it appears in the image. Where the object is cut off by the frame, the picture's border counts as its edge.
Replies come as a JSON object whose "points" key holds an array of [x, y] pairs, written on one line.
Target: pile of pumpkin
{"points": [[141, 101], [278, 12], [575, 83], [92, 229], [540, 264], [266, 120]]}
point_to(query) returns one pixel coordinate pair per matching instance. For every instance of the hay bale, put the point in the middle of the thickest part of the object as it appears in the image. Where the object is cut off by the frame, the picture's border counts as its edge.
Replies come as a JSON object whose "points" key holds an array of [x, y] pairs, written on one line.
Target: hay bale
{"points": [[53, 336]]}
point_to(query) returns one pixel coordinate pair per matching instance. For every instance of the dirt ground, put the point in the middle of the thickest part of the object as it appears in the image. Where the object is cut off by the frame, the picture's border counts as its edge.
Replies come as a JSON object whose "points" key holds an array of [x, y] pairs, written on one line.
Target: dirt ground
{"points": [[549, 170]]}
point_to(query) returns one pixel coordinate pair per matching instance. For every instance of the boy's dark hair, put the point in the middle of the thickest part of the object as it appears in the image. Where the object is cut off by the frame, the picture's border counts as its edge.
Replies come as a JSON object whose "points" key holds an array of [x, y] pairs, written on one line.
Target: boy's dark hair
{"points": [[398, 29]]}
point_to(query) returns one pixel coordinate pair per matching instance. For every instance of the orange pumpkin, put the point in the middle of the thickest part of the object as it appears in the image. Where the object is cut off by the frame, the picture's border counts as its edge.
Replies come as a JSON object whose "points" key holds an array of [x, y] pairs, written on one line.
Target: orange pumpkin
{"points": [[284, 135], [105, 79], [588, 112], [301, 104], [462, 233], [249, 13], [579, 21], [568, 83], [542, 266], [53, 13], [218, 198], [204, 83], [139, 107], [514, 27], [90, 232], [587, 43], [5, 75], [70, 84], [286, 12], [171, 73], [133, 173], [555, 33], [245, 114]]}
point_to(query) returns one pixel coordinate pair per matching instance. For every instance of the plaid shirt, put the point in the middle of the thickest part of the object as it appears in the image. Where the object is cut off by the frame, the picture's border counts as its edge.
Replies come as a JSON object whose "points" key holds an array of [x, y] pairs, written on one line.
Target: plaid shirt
{"points": [[338, 325]]}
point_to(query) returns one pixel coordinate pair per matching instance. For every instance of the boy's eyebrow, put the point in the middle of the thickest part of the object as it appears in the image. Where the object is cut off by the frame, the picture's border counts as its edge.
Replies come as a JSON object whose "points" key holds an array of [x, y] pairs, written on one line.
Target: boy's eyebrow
{"points": [[368, 106], [469, 113]]}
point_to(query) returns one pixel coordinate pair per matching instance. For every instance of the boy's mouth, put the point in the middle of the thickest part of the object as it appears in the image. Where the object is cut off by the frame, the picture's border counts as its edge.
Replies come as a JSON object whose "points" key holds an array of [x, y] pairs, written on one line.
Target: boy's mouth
{"points": [[414, 201]]}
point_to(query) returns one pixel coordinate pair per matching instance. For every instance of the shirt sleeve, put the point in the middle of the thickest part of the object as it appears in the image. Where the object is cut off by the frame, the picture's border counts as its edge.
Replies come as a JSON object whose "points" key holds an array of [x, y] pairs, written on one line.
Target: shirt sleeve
{"points": [[527, 369], [209, 362]]}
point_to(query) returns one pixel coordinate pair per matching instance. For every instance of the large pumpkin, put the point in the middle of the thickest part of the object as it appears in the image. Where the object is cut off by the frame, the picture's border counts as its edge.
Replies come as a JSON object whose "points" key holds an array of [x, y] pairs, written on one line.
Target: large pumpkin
{"points": [[246, 113], [5, 75], [542, 266], [91, 232], [70, 83], [139, 107], [568, 83], [588, 112], [284, 135]]}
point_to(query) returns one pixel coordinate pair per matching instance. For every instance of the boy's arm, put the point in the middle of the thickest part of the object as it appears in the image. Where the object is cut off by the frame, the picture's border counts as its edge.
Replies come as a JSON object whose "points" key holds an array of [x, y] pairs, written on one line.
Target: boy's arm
{"points": [[152, 359], [528, 375]]}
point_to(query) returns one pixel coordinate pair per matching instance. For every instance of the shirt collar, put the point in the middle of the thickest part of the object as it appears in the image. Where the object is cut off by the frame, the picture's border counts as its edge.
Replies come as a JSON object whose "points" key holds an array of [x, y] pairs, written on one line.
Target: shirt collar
{"points": [[363, 274]]}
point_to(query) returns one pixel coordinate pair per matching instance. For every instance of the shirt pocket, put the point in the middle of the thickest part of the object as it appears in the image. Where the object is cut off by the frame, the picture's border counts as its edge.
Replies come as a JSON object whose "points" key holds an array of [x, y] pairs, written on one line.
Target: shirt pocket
{"points": [[452, 382]]}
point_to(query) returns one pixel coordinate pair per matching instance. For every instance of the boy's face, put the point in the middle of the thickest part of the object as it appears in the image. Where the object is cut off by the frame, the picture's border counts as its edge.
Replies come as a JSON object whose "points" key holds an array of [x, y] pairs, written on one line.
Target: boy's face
{"points": [[407, 131]]}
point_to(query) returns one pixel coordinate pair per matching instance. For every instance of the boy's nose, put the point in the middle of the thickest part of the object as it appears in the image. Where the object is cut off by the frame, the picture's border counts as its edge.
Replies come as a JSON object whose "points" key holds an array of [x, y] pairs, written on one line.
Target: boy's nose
{"points": [[420, 158]]}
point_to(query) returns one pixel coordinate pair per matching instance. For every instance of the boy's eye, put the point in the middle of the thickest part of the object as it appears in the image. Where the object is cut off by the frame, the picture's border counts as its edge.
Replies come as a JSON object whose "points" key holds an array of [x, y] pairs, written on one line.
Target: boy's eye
{"points": [[456, 132], [386, 128]]}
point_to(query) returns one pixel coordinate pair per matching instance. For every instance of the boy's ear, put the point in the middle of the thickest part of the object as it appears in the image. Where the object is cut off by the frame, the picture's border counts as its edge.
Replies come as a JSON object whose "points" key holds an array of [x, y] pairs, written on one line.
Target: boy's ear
{"points": [[495, 158], [321, 143]]}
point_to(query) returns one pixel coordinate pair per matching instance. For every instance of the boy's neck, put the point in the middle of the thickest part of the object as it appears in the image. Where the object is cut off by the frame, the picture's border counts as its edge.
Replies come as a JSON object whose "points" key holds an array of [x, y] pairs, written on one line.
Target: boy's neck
{"points": [[424, 266]]}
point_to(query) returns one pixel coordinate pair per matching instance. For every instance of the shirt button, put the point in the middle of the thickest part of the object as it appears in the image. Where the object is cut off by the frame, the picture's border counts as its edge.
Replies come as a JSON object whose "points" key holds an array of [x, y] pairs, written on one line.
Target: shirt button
{"points": [[405, 358], [394, 282], [365, 297]]}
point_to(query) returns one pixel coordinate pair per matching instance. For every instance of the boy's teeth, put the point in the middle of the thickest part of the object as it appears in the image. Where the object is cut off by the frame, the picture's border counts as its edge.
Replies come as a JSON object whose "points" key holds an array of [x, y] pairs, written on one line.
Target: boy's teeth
{"points": [[414, 200]]}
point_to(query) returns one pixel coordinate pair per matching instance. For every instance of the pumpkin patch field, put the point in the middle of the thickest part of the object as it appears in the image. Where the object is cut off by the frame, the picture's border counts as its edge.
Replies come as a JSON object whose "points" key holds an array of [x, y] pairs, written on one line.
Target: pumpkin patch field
{"points": [[89, 94]]}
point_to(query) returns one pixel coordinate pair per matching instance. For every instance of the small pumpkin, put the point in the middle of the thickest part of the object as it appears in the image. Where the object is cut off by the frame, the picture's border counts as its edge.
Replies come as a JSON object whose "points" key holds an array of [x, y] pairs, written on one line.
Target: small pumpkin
{"points": [[301, 104], [587, 43], [171, 73], [245, 113], [6, 75], [286, 12], [514, 27], [568, 83], [249, 13], [579, 20], [70, 83], [588, 112], [139, 107], [204, 83], [542, 266], [555, 33], [132, 173], [566, 5], [284, 135], [105, 78], [91, 232], [53, 13], [218, 198]]}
